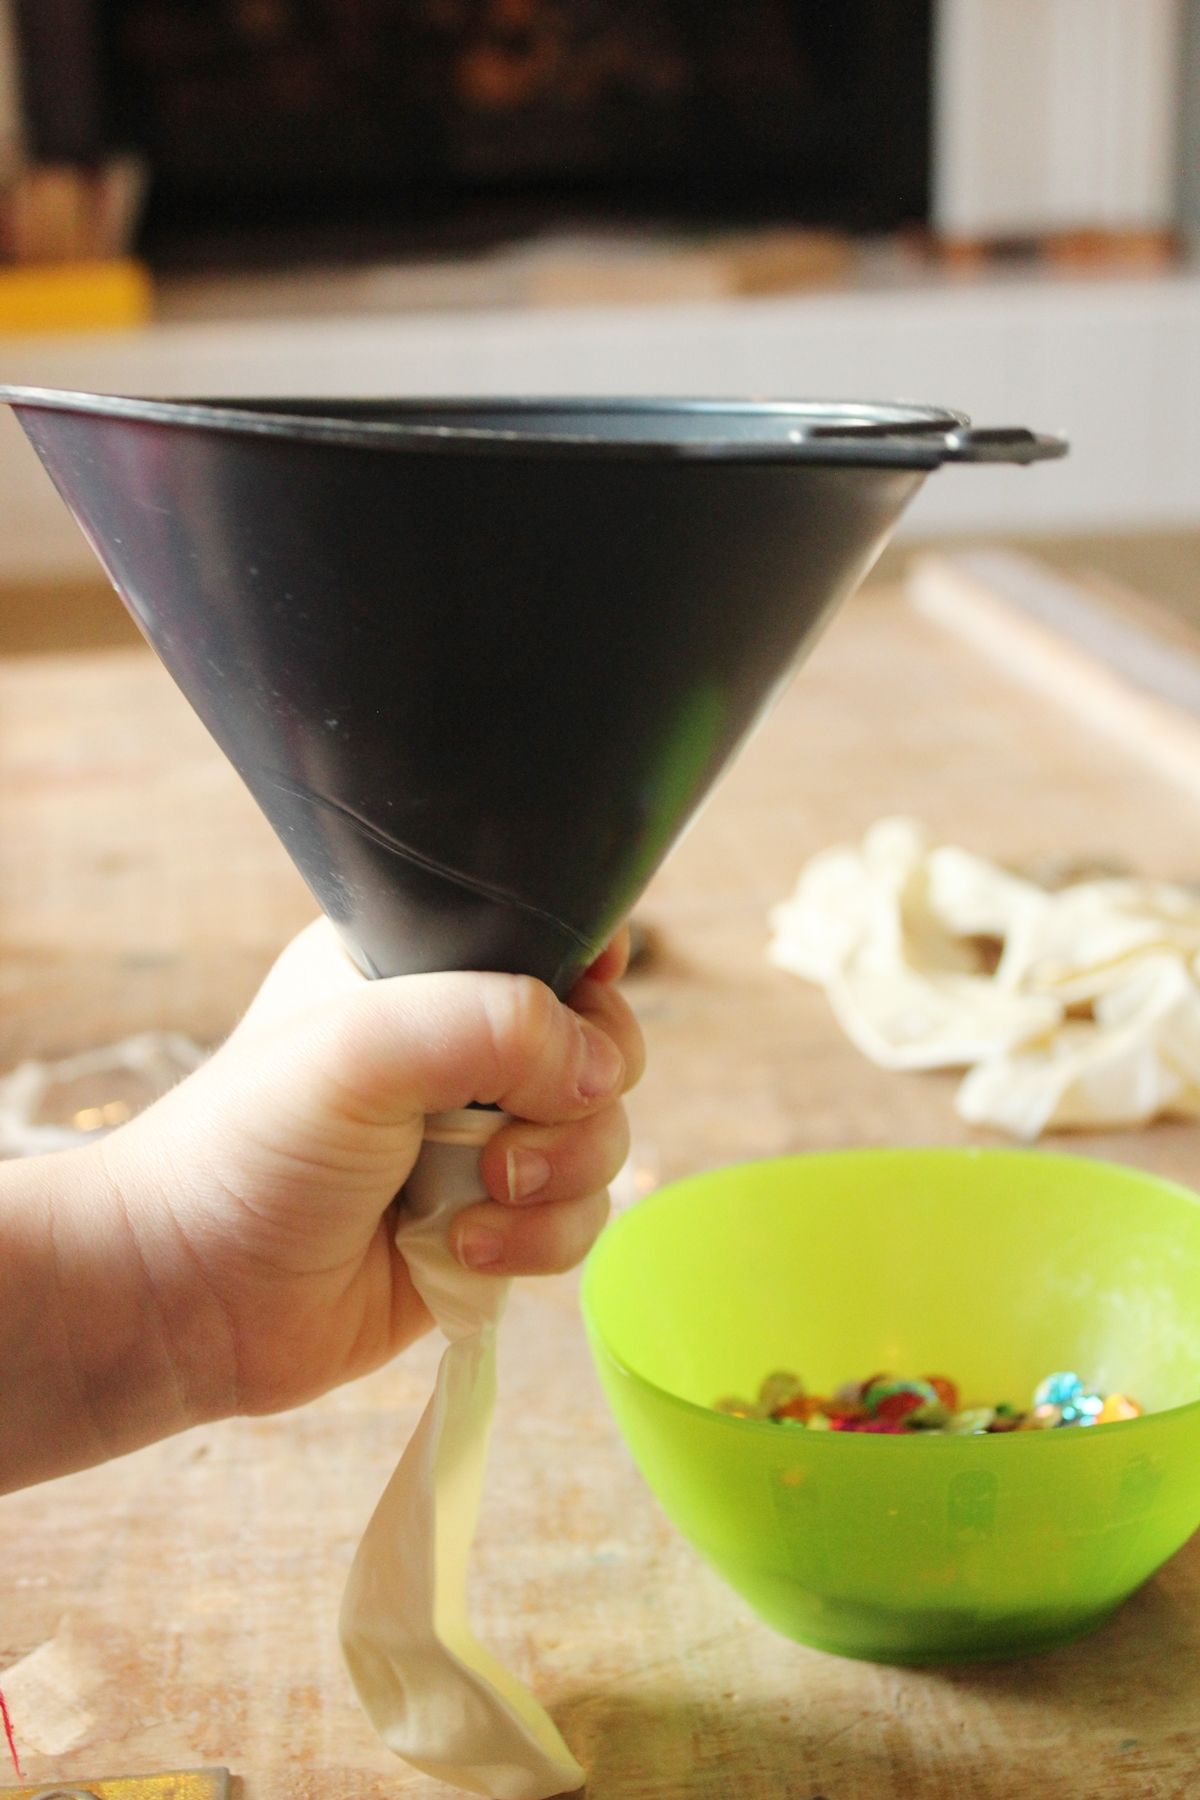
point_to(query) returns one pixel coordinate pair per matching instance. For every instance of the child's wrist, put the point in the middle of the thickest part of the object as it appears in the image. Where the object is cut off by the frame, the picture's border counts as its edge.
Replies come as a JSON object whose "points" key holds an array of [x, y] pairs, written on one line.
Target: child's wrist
{"points": [[98, 1357], [180, 1357]]}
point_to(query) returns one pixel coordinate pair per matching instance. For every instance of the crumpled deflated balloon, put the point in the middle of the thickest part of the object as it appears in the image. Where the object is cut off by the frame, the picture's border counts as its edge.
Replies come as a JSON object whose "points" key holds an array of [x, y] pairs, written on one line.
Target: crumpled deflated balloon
{"points": [[1075, 1009], [433, 1693]]}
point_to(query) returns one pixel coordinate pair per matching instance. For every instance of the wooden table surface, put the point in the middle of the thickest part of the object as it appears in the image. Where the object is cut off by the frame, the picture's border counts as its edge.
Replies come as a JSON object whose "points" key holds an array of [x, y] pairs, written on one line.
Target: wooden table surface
{"points": [[178, 1607]]}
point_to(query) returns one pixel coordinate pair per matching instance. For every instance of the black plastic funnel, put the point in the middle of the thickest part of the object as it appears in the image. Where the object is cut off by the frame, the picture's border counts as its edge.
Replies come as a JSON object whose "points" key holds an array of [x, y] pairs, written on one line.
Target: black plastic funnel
{"points": [[479, 662]]}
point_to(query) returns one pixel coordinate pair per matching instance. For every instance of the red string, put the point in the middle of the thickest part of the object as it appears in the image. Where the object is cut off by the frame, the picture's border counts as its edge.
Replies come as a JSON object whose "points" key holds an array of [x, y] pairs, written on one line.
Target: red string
{"points": [[8, 1732]]}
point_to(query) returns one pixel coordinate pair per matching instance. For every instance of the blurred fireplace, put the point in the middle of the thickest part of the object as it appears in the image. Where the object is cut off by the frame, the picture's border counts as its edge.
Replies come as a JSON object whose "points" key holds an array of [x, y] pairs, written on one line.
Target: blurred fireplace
{"points": [[325, 128]]}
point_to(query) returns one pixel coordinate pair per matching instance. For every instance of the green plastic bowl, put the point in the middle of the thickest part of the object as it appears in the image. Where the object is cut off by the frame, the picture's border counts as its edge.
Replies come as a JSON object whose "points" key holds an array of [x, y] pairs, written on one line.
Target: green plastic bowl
{"points": [[991, 1266]]}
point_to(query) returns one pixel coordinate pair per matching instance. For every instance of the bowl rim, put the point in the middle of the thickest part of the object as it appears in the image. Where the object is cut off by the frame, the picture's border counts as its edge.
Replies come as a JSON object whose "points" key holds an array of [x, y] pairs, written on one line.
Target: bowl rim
{"points": [[961, 1153]]}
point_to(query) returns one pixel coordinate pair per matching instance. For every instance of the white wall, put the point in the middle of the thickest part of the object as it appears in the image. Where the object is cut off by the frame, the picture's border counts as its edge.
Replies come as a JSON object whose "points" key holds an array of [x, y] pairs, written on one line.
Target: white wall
{"points": [[1115, 363], [1052, 115]]}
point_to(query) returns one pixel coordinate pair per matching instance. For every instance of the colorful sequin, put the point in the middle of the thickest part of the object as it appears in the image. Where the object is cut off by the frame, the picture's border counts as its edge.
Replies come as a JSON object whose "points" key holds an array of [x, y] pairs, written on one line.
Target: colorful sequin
{"points": [[891, 1405]]}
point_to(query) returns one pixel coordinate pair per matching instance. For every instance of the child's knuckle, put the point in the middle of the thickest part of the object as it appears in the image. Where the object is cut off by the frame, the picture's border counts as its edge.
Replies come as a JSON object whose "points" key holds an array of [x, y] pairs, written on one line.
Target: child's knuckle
{"points": [[528, 1022]]}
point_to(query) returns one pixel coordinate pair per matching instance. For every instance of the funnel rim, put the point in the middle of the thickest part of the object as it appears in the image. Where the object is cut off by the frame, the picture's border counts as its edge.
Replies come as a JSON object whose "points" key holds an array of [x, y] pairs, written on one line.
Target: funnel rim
{"points": [[862, 433]]}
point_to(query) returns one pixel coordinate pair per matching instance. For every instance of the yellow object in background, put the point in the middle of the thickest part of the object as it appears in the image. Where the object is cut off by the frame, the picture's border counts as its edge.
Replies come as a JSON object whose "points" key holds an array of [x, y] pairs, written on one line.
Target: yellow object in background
{"points": [[110, 295]]}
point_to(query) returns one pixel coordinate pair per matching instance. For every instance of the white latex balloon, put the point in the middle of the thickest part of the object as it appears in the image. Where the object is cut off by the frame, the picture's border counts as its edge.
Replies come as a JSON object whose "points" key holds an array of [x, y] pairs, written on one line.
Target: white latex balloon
{"points": [[434, 1694], [1090, 1018]]}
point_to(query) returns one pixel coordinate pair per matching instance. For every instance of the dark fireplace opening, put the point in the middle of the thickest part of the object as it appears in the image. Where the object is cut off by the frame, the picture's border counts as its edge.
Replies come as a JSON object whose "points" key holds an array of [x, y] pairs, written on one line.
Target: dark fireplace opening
{"points": [[286, 130]]}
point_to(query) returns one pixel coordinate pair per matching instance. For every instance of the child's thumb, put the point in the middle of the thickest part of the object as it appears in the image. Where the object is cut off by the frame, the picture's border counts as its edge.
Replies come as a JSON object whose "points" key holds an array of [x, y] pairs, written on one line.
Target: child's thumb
{"points": [[390, 1050]]}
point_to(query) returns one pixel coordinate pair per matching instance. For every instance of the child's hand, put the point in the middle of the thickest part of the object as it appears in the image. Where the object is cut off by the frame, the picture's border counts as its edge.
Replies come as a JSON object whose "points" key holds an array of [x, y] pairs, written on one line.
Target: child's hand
{"points": [[231, 1250]]}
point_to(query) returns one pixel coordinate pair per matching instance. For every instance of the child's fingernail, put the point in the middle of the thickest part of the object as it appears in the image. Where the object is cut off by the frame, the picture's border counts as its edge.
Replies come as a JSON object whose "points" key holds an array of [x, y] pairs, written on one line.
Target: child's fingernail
{"points": [[480, 1248], [603, 1065], [528, 1171]]}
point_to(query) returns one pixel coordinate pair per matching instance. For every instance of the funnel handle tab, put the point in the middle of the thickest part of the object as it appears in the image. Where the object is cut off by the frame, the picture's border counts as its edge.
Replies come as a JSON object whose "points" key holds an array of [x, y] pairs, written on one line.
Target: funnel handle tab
{"points": [[1002, 444]]}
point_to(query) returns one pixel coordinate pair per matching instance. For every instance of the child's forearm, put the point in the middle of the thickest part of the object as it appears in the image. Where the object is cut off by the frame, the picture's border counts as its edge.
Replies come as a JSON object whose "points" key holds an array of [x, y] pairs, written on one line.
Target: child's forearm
{"points": [[90, 1365]]}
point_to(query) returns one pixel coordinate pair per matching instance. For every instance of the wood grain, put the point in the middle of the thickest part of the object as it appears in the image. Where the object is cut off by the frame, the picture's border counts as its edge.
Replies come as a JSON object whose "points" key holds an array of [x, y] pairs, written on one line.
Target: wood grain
{"points": [[196, 1584], [1129, 672]]}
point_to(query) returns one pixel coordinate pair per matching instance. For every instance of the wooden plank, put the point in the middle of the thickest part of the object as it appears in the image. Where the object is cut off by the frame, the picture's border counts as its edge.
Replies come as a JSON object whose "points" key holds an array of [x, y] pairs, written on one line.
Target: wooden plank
{"points": [[1129, 676], [1143, 644], [188, 1594]]}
